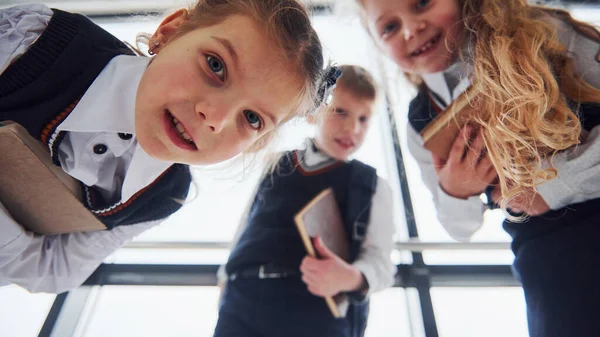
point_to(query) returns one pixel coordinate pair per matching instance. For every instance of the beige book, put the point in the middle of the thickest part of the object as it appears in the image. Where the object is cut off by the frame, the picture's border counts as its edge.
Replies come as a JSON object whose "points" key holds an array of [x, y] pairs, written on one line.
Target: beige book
{"points": [[321, 217], [39, 195], [439, 135]]}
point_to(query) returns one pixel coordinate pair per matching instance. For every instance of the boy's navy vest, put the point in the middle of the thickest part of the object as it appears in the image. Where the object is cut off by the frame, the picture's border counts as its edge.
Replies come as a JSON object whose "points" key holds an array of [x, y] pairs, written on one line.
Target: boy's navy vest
{"points": [[43, 86], [271, 236]]}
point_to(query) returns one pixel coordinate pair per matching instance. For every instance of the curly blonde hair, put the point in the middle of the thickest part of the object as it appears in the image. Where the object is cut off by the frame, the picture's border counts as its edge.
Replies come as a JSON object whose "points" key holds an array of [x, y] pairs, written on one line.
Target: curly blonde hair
{"points": [[521, 87]]}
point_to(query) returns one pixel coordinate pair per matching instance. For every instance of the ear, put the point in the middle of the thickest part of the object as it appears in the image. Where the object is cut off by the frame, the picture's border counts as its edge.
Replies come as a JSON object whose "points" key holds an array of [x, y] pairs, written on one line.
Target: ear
{"points": [[168, 27]]}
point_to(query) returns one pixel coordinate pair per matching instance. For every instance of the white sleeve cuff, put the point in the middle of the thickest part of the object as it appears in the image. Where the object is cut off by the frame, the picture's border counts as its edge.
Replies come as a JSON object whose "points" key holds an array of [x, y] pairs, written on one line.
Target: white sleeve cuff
{"points": [[460, 217]]}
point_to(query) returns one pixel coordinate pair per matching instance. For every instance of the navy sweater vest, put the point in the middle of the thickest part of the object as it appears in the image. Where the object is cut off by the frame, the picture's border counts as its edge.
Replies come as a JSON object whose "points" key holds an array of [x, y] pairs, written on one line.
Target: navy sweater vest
{"points": [[271, 236], [43, 86]]}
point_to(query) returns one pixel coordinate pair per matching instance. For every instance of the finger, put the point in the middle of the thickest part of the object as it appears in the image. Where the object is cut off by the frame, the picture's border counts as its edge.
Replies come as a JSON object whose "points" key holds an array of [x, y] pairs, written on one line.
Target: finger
{"points": [[458, 146], [475, 151], [315, 291], [438, 162], [490, 175], [496, 194], [322, 250], [310, 280]]}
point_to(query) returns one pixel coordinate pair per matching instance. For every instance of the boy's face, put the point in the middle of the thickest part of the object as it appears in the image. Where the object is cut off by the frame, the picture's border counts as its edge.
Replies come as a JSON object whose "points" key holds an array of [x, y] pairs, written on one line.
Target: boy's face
{"points": [[211, 93], [342, 125], [420, 36]]}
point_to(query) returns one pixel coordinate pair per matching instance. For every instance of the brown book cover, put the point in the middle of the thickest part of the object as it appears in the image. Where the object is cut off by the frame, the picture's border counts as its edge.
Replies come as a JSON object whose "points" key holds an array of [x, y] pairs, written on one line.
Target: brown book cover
{"points": [[39, 195], [322, 217], [438, 136]]}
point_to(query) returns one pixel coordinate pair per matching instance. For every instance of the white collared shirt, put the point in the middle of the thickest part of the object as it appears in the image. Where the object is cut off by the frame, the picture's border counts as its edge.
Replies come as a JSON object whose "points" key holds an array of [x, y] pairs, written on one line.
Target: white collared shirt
{"points": [[438, 83], [56, 263], [105, 117]]}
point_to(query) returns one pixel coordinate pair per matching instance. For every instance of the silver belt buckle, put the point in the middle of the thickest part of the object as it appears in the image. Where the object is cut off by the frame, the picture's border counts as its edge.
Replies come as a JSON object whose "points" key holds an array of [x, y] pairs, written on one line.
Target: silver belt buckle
{"points": [[263, 275]]}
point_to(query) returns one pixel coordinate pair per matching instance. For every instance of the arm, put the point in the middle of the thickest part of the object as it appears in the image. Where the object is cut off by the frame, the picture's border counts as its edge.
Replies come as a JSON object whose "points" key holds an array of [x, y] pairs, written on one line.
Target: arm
{"points": [[20, 26], [374, 262], [579, 167], [56, 263], [460, 217], [578, 174]]}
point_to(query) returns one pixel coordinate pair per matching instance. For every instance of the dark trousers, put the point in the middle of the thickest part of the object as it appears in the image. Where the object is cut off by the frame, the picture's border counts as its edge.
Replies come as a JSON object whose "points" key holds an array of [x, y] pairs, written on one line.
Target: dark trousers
{"points": [[557, 261], [279, 307]]}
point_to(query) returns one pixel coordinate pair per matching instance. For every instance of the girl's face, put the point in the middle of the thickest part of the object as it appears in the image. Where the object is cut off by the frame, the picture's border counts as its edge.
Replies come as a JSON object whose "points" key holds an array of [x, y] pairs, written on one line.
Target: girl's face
{"points": [[420, 36], [209, 94]]}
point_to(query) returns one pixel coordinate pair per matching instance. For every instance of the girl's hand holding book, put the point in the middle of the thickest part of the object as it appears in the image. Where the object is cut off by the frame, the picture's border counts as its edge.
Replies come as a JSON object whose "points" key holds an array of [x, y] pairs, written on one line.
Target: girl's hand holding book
{"points": [[468, 170]]}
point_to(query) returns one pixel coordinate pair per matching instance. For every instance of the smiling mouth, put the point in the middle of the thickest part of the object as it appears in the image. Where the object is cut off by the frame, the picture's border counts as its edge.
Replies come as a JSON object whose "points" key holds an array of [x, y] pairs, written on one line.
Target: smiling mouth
{"points": [[180, 130], [346, 144], [427, 46]]}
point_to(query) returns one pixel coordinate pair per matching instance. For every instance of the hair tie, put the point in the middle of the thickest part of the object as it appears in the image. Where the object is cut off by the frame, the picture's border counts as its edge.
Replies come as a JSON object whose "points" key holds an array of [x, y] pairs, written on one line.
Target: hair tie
{"points": [[331, 75]]}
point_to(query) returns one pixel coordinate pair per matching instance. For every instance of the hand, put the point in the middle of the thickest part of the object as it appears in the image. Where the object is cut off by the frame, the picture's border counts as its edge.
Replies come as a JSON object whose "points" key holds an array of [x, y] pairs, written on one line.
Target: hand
{"points": [[329, 275], [530, 202], [468, 169]]}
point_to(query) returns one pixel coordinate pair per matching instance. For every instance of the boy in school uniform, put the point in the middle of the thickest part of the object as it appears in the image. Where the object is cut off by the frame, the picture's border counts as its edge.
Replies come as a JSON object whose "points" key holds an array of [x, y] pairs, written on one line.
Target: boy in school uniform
{"points": [[273, 288]]}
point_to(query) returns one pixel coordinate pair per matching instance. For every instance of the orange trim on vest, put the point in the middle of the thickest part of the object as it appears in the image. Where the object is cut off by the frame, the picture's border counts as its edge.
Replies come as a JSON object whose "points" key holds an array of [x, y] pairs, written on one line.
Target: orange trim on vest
{"points": [[49, 129], [130, 200]]}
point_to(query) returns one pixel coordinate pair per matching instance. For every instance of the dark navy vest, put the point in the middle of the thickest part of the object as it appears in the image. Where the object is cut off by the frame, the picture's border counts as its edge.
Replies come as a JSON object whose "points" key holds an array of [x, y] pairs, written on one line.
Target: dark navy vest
{"points": [[422, 111], [271, 237], [43, 86]]}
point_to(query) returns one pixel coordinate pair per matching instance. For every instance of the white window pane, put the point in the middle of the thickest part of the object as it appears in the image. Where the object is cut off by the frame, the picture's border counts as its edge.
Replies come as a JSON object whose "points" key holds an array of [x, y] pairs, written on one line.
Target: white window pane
{"points": [[22, 314], [470, 257], [389, 314], [476, 312], [145, 311]]}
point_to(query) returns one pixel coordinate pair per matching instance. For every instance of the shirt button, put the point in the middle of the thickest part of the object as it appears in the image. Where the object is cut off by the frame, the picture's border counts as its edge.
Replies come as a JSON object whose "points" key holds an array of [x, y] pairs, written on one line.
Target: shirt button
{"points": [[100, 149], [125, 136]]}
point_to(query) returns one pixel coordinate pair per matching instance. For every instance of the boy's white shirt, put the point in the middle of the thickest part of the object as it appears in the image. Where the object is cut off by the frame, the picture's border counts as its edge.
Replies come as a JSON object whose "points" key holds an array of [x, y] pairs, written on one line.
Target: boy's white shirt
{"points": [[57, 263], [374, 260], [578, 168]]}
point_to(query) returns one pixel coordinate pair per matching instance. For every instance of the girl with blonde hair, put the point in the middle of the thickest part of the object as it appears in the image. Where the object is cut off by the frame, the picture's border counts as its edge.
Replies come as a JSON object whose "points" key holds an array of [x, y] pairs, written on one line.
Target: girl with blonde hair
{"points": [[531, 77]]}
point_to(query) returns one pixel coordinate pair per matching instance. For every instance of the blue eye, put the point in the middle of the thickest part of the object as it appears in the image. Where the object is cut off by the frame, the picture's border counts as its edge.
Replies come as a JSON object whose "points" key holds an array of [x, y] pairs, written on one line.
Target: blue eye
{"points": [[216, 66], [389, 28], [253, 119], [422, 3]]}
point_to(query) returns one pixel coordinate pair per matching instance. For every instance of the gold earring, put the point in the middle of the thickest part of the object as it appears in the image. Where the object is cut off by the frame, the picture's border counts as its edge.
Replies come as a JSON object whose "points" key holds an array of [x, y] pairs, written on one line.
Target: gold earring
{"points": [[155, 45]]}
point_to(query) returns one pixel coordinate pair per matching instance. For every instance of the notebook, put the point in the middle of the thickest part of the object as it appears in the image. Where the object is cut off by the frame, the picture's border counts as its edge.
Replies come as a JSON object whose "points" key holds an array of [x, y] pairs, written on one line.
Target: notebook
{"points": [[39, 195], [439, 135], [322, 217]]}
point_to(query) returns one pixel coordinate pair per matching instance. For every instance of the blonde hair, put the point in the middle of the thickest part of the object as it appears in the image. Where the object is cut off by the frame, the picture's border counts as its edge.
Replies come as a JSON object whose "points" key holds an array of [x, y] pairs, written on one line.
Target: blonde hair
{"points": [[523, 78], [522, 84], [358, 81]]}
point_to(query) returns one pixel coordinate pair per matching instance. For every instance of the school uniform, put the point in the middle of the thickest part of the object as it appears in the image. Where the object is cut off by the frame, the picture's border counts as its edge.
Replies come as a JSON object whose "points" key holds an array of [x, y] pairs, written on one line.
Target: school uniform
{"points": [[264, 294], [557, 259], [72, 85]]}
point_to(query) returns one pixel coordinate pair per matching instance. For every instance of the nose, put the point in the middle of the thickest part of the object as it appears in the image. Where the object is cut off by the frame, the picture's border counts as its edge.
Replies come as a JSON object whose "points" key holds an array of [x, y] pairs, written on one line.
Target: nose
{"points": [[352, 125], [215, 116], [412, 27]]}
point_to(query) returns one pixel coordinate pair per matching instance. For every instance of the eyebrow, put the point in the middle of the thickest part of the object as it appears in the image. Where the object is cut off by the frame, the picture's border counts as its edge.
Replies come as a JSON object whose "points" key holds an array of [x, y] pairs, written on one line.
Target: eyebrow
{"points": [[227, 45]]}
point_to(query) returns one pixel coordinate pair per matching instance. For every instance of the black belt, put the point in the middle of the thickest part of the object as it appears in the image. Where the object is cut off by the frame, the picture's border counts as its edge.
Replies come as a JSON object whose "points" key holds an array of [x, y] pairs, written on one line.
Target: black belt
{"points": [[264, 271]]}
